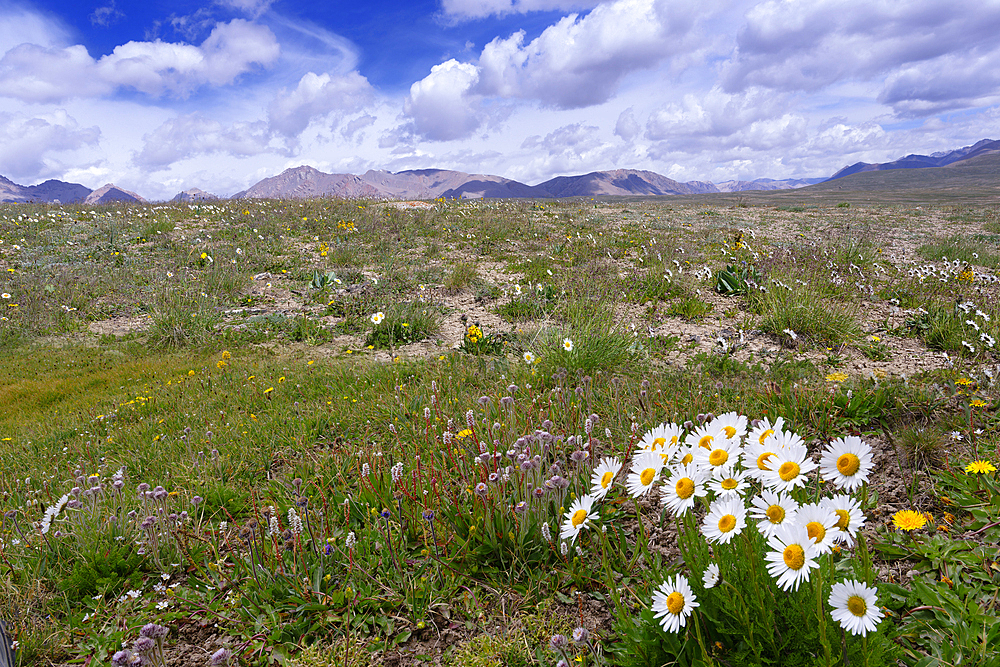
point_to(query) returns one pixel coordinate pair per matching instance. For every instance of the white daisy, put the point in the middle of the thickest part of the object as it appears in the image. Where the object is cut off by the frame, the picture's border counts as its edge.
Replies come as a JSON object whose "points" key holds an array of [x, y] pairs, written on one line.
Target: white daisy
{"points": [[727, 481], [772, 511], [855, 607], [577, 518], [790, 442], [793, 555], [603, 476], [726, 517], [646, 468], [704, 437], [683, 456], [764, 430], [673, 602], [529, 358], [664, 439], [787, 469], [567, 344], [846, 462], [733, 424], [756, 455], [850, 518], [711, 576], [722, 452], [378, 317], [820, 523], [685, 483]]}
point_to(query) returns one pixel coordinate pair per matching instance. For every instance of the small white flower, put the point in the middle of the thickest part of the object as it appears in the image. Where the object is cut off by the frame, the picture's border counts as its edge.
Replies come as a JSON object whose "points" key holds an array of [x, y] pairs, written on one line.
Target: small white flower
{"points": [[529, 358], [378, 317], [567, 344], [791, 334], [711, 576]]}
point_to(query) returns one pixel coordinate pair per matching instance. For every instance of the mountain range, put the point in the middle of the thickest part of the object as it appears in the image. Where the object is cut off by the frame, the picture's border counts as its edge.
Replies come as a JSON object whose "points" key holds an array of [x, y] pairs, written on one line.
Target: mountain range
{"points": [[306, 181]]}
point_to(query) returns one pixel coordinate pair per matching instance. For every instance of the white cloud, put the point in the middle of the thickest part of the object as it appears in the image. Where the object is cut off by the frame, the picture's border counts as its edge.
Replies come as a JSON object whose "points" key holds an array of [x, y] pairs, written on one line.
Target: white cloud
{"points": [[714, 118], [193, 134], [579, 61], [440, 105], [106, 15], [18, 26], [318, 95], [472, 9], [28, 142], [252, 8], [36, 73], [949, 82], [627, 126], [793, 45]]}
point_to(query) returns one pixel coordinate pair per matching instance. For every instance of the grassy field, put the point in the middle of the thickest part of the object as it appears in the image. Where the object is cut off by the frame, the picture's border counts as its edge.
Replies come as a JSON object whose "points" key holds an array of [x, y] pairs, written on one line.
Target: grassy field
{"points": [[349, 433]]}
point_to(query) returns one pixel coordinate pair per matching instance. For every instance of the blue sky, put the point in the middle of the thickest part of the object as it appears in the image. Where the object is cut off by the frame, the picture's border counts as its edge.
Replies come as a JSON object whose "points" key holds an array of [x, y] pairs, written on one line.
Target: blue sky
{"points": [[161, 96]]}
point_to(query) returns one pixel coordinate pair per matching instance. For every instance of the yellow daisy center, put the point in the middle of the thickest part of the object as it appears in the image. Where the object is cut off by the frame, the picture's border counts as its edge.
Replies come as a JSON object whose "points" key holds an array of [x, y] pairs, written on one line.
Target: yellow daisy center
{"points": [[727, 523], [730, 431], [659, 442], [788, 471], [848, 464], [706, 441], [579, 517], [729, 484], [816, 531], [684, 488], [687, 459], [856, 605], [606, 479], [675, 603], [762, 460], [718, 457], [765, 435], [673, 440], [794, 556], [775, 513], [647, 476], [845, 519]]}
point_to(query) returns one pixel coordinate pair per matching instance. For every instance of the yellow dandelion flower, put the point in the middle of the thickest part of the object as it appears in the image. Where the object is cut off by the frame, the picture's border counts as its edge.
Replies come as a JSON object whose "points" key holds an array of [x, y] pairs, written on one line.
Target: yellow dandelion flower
{"points": [[836, 377], [908, 520], [980, 467]]}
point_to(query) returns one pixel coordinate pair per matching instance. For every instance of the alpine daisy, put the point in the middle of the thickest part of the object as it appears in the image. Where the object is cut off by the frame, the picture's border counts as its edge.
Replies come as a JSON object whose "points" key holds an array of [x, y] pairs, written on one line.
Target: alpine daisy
{"points": [[673, 602]]}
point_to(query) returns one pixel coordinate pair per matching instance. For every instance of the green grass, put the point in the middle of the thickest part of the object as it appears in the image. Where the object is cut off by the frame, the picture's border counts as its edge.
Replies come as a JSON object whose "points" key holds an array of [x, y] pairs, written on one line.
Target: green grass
{"points": [[257, 386]]}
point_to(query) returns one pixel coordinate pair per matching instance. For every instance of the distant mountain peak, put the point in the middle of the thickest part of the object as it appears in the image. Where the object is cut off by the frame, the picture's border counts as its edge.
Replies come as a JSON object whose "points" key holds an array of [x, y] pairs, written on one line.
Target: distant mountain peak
{"points": [[110, 193], [51, 191], [914, 161]]}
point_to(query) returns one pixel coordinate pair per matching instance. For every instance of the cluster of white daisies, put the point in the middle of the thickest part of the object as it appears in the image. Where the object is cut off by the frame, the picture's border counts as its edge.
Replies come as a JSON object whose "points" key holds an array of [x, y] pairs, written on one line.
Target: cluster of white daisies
{"points": [[722, 461]]}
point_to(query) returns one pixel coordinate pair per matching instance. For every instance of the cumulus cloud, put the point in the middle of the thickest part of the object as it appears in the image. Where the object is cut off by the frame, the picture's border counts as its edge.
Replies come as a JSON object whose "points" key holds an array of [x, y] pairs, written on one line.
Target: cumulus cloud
{"points": [[318, 95], [791, 45], [194, 134], [950, 82], [627, 126], [697, 122], [27, 142], [35, 73], [440, 105], [351, 128], [473, 9], [580, 60]]}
